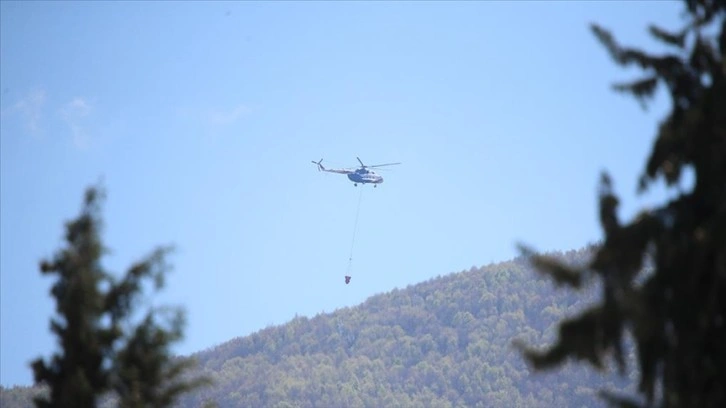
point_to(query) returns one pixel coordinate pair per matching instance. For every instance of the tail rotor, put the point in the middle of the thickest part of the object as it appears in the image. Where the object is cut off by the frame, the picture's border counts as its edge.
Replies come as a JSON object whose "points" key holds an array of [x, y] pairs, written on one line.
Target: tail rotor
{"points": [[320, 166]]}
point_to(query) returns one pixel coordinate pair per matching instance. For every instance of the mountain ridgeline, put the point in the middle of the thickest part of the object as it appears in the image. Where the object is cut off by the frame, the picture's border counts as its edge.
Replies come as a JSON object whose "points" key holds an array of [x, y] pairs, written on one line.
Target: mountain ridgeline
{"points": [[446, 342]]}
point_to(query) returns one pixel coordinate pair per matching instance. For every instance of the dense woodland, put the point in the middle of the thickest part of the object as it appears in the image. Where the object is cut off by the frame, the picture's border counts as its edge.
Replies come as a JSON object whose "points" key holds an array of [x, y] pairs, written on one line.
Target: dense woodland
{"points": [[446, 342]]}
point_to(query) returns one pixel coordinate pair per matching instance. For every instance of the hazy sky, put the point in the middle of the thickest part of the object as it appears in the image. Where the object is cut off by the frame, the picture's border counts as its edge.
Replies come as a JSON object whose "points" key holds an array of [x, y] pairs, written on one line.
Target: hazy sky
{"points": [[202, 119]]}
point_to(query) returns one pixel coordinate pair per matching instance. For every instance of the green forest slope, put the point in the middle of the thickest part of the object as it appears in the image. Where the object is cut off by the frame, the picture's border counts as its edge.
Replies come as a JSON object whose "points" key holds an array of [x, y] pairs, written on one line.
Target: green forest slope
{"points": [[446, 342]]}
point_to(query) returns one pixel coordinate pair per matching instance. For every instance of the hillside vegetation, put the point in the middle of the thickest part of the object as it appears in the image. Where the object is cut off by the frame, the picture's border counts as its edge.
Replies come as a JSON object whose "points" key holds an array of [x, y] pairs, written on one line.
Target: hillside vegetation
{"points": [[446, 342]]}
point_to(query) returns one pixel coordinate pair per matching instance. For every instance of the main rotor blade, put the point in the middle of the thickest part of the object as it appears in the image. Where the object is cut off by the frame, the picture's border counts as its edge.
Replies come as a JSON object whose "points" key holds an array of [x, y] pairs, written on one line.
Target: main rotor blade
{"points": [[381, 165], [359, 161]]}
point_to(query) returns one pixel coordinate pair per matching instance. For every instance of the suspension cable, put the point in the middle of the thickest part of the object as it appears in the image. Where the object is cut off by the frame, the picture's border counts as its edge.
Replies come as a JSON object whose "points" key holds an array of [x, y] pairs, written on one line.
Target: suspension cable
{"points": [[355, 228]]}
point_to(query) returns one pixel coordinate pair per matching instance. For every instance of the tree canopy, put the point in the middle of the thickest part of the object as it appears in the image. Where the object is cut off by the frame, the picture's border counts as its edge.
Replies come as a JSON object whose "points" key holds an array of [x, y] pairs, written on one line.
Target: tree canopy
{"points": [[102, 350], [663, 275]]}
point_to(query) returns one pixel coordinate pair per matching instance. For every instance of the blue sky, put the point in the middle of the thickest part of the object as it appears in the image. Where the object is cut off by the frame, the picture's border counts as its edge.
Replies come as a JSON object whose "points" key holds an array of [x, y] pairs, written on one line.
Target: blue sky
{"points": [[202, 119]]}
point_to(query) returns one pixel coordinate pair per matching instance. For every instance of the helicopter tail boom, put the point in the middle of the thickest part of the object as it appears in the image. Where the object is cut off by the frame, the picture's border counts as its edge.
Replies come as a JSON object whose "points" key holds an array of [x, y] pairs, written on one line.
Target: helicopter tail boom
{"points": [[322, 168]]}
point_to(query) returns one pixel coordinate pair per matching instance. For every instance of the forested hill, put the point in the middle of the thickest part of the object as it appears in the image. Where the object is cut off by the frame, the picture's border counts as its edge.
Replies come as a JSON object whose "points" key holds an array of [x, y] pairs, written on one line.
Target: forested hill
{"points": [[446, 342]]}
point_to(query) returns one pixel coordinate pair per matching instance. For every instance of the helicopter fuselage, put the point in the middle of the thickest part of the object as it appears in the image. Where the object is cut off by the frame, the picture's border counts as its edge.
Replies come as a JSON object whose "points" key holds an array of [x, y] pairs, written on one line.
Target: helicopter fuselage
{"points": [[364, 176]]}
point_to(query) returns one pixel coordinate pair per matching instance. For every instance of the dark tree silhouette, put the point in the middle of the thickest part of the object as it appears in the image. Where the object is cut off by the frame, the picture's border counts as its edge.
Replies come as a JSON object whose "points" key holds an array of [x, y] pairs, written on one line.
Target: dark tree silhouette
{"points": [[101, 349], [675, 307]]}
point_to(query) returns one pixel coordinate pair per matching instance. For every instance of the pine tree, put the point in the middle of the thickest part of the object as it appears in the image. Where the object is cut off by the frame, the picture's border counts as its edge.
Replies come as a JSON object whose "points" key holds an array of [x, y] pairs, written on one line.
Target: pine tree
{"points": [[101, 350], [663, 275]]}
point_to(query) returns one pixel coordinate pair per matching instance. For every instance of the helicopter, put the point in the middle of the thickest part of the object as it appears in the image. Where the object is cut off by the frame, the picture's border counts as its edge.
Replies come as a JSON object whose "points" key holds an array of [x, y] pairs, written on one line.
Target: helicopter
{"points": [[360, 175]]}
